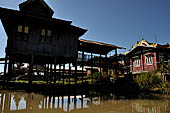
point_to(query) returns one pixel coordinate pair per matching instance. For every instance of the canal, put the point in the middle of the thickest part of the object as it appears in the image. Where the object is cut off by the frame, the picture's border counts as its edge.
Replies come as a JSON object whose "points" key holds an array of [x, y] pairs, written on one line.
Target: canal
{"points": [[22, 102]]}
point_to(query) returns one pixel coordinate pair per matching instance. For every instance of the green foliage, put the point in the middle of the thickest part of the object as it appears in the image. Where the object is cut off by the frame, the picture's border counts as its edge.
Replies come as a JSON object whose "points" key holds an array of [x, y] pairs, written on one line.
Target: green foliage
{"points": [[148, 80], [166, 87], [95, 76]]}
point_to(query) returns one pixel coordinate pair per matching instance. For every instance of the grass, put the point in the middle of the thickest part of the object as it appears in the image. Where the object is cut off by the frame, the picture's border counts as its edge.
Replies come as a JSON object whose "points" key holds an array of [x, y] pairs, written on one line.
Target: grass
{"points": [[57, 82]]}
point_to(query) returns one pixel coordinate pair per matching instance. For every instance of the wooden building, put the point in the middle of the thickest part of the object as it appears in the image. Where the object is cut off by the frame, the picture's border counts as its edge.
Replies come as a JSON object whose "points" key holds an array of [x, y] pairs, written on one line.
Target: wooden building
{"points": [[94, 55], [35, 37], [145, 56]]}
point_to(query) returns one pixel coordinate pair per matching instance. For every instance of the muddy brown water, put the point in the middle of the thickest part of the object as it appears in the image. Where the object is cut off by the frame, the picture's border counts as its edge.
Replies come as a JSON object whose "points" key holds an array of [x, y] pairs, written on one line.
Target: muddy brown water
{"points": [[22, 102]]}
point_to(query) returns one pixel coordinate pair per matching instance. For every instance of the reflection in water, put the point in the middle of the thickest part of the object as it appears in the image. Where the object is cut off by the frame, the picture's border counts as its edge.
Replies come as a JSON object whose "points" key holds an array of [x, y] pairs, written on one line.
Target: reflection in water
{"points": [[19, 102]]}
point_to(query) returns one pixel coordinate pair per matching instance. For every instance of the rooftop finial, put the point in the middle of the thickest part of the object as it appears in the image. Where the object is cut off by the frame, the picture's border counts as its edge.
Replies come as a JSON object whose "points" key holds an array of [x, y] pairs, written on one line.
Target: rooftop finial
{"points": [[143, 38], [137, 42]]}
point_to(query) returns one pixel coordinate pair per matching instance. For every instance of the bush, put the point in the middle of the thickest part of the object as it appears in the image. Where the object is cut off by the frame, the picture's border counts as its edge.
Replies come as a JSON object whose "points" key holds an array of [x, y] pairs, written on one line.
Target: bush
{"points": [[166, 87], [148, 80], [95, 76]]}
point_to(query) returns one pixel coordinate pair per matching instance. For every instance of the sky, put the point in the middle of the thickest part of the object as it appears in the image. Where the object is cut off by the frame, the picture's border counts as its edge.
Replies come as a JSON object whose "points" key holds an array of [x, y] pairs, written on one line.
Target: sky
{"points": [[117, 22]]}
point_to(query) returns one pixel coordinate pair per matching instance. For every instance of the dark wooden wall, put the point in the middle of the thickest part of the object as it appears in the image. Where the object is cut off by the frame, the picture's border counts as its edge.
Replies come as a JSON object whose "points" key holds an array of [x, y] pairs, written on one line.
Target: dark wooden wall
{"points": [[62, 43]]}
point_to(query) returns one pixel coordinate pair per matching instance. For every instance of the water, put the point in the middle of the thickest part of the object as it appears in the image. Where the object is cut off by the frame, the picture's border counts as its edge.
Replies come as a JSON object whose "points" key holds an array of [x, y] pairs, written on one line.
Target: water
{"points": [[22, 102]]}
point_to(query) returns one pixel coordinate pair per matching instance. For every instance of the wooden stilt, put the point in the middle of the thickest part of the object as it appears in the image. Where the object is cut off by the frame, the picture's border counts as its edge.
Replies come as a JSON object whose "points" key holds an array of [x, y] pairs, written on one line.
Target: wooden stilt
{"points": [[82, 101], [9, 70], [45, 72], [58, 102], [53, 103], [62, 103], [68, 104], [69, 72], [31, 71], [75, 102], [63, 73], [13, 67], [47, 77], [82, 67], [75, 72], [116, 71], [51, 73], [55, 60], [107, 64], [100, 66], [5, 73], [49, 102], [60, 71], [91, 65]]}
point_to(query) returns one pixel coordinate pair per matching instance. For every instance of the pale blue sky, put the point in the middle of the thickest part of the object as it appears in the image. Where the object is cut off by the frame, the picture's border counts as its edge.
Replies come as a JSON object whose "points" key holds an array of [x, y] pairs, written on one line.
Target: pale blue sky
{"points": [[119, 22]]}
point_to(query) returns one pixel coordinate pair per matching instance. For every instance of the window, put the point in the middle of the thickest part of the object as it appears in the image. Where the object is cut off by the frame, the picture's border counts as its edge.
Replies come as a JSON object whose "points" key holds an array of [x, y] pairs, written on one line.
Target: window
{"points": [[161, 57], [43, 32], [148, 59], [137, 62], [19, 28], [49, 33], [22, 33], [26, 29], [46, 36]]}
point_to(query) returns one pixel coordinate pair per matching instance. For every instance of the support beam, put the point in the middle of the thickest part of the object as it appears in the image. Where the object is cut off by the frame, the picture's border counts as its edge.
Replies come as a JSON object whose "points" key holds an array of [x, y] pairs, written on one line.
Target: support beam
{"points": [[31, 71], [63, 72], [55, 74], [116, 71], [60, 73], [107, 64], [9, 70], [45, 71], [91, 64], [51, 73], [5, 73], [47, 77], [75, 75], [69, 72], [82, 67], [100, 66]]}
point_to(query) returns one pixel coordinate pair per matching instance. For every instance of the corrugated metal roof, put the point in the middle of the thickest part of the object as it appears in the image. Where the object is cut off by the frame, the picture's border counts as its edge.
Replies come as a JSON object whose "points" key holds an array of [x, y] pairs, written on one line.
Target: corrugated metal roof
{"points": [[96, 47]]}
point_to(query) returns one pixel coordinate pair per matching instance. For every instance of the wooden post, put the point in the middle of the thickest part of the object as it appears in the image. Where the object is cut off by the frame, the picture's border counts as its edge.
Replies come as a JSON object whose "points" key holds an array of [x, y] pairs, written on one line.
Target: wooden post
{"points": [[82, 66], [60, 71], [107, 64], [47, 73], [116, 62], [13, 67], [53, 103], [51, 73], [91, 64], [31, 71], [5, 68], [82, 101], [100, 66], [68, 104], [62, 103], [63, 72], [75, 72], [69, 71], [9, 70], [58, 102], [55, 60]]}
